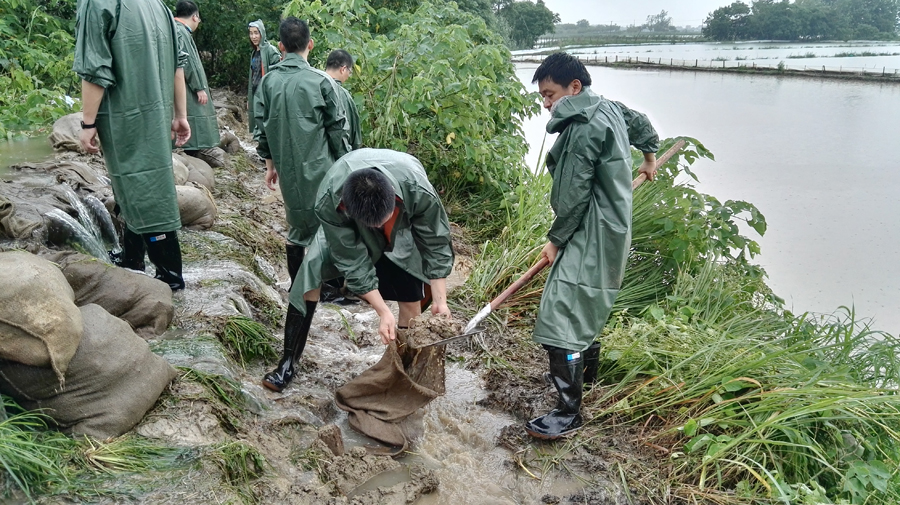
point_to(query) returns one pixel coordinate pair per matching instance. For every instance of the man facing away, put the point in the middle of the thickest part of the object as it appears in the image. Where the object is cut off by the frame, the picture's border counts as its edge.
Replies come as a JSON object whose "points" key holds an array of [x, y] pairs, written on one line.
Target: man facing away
{"points": [[201, 113], [590, 164], [132, 74], [385, 230], [302, 130], [339, 66]]}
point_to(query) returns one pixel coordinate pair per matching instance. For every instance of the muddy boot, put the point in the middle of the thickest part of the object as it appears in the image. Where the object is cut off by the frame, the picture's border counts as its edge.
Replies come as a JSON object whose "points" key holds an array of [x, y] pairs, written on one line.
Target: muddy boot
{"points": [[591, 363], [295, 254], [164, 252], [296, 329], [133, 251], [333, 292], [567, 375]]}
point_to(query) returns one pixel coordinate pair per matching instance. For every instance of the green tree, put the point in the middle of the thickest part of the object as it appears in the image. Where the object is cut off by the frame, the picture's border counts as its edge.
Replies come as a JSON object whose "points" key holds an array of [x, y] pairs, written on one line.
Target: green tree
{"points": [[528, 21], [583, 23], [661, 22], [728, 23]]}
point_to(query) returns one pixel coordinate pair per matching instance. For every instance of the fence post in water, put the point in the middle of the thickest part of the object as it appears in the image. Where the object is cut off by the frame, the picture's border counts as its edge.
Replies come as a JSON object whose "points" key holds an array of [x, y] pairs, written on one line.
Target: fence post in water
{"points": [[823, 69], [723, 63], [882, 71], [617, 58], [696, 62]]}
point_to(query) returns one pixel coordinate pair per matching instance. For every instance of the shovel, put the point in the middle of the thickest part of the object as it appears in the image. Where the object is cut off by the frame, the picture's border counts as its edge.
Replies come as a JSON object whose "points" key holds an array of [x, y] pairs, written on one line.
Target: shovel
{"points": [[474, 327]]}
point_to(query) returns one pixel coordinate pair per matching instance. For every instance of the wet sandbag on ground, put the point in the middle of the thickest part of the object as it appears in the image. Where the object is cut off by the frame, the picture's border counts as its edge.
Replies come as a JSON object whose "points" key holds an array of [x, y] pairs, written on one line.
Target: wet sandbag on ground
{"points": [[144, 302], [39, 322], [111, 382]]}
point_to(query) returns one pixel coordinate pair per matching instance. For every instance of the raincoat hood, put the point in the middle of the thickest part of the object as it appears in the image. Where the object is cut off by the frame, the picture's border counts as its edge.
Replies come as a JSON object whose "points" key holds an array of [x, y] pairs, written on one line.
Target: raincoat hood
{"points": [[258, 24], [579, 108]]}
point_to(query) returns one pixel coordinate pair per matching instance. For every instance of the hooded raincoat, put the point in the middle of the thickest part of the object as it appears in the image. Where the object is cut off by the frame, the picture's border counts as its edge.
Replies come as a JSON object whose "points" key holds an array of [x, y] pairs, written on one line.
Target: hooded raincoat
{"points": [[420, 240], [590, 164], [303, 130], [202, 118], [352, 116], [269, 55], [129, 48]]}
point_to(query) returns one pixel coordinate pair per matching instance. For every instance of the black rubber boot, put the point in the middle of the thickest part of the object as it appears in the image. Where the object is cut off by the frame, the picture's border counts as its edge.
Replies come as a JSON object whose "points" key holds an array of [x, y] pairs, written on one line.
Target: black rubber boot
{"points": [[296, 329], [333, 292], [567, 374], [295, 254], [164, 252], [133, 251], [591, 357]]}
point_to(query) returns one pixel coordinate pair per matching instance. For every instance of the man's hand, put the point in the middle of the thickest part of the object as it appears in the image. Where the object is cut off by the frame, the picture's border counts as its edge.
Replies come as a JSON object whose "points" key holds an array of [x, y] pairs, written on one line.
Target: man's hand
{"points": [[440, 308], [387, 328], [648, 166], [181, 131], [88, 138], [202, 97], [271, 175], [550, 251], [439, 297]]}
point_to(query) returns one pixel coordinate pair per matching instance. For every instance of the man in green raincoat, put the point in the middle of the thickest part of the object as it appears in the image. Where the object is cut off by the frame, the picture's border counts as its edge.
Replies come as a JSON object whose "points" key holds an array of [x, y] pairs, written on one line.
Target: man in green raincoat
{"points": [[200, 109], [590, 164], [339, 66], [385, 230], [264, 55], [127, 56]]}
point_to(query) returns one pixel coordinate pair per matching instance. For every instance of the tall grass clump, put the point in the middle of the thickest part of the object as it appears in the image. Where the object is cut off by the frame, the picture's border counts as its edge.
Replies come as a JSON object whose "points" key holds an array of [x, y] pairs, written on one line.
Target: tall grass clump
{"points": [[746, 401], [247, 340]]}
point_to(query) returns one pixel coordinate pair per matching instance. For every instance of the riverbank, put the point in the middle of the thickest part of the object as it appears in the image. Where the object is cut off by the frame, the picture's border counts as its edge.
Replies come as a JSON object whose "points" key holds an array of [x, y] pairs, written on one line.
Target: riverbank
{"points": [[722, 67]]}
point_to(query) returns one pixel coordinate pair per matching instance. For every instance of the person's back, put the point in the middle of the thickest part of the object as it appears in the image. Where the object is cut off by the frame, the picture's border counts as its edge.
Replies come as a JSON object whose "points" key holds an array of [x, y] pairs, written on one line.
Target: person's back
{"points": [[302, 130], [339, 65], [200, 109]]}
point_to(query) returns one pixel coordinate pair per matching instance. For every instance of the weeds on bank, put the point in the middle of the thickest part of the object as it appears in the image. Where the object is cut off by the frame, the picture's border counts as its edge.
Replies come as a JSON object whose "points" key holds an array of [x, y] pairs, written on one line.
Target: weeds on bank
{"points": [[248, 340], [241, 465], [36, 459], [224, 393]]}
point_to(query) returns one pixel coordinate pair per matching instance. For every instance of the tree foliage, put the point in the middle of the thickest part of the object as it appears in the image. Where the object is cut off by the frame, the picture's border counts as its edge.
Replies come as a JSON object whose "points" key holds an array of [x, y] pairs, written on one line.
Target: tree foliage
{"points": [[805, 19], [527, 21], [661, 22], [35, 63], [434, 82]]}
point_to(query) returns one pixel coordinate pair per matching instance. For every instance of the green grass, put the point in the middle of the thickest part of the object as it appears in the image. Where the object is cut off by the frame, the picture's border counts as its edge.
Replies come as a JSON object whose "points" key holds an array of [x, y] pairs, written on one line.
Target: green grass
{"points": [[241, 465], [248, 340]]}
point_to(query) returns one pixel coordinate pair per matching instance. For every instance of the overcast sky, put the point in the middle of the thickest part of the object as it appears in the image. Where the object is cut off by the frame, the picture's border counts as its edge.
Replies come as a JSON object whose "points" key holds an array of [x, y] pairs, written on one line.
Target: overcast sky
{"points": [[626, 12]]}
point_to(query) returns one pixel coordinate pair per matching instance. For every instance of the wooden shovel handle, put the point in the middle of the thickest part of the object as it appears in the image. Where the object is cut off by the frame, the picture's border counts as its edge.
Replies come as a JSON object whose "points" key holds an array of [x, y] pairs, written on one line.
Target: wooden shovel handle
{"points": [[662, 159], [496, 302]]}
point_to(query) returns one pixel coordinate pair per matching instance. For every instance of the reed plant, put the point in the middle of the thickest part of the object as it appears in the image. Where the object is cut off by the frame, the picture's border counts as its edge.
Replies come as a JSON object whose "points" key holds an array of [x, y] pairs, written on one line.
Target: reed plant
{"points": [[247, 340]]}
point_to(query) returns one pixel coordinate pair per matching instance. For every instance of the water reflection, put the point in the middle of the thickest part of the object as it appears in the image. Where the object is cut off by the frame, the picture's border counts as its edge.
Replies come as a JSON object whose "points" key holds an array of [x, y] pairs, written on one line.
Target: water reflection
{"points": [[814, 156]]}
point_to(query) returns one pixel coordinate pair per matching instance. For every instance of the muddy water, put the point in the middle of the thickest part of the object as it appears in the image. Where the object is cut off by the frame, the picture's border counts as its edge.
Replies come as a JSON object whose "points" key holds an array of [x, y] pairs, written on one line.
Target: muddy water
{"points": [[17, 151]]}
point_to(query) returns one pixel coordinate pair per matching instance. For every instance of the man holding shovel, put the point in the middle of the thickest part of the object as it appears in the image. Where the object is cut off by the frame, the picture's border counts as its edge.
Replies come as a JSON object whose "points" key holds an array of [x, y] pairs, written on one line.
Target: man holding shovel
{"points": [[590, 164]]}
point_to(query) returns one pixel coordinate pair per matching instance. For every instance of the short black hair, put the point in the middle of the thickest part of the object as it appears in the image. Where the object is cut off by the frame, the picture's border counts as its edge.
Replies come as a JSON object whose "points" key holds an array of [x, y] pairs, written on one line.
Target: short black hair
{"points": [[562, 68], [339, 58], [294, 34], [185, 9], [368, 197]]}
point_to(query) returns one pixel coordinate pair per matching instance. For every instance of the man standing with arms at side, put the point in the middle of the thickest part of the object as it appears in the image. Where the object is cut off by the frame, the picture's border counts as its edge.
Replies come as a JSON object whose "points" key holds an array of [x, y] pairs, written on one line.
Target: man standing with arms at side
{"points": [[339, 66], [302, 131], [590, 164], [132, 77], [200, 110]]}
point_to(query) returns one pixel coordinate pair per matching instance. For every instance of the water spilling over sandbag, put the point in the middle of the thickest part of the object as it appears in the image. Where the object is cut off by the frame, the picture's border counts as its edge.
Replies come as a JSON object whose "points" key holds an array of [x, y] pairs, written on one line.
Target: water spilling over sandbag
{"points": [[144, 302], [197, 207], [111, 382], [39, 322]]}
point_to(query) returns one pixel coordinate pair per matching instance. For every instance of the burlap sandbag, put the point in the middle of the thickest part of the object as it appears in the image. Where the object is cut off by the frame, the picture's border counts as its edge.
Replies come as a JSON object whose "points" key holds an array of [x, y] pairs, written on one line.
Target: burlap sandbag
{"points": [[66, 132], [14, 226], [229, 142], [180, 169], [144, 302], [214, 156], [403, 381], [200, 172], [197, 207], [112, 381], [39, 322]]}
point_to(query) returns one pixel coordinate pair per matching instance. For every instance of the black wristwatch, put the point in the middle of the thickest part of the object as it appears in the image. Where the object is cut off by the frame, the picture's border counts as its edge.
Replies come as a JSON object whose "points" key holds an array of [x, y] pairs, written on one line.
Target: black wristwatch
{"points": [[87, 126]]}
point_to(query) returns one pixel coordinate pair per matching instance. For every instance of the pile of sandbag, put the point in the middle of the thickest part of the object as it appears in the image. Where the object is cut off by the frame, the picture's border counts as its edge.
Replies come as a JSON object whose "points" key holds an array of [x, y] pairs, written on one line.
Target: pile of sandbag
{"points": [[81, 366]]}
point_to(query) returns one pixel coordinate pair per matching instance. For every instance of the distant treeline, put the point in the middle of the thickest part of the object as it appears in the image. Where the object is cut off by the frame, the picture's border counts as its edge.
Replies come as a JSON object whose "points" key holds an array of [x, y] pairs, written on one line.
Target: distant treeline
{"points": [[805, 20]]}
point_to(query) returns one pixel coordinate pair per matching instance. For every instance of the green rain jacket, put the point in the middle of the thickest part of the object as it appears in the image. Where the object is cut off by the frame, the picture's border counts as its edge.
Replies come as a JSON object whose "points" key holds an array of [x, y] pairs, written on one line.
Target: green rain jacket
{"points": [[352, 116], [590, 164], [303, 130], [269, 55], [202, 118], [129, 48], [420, 240]]}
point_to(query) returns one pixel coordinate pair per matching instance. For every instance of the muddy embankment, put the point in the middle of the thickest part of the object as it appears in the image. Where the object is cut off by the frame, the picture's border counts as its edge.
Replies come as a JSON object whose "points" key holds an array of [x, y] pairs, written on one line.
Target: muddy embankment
{"points": [[468, 446]]}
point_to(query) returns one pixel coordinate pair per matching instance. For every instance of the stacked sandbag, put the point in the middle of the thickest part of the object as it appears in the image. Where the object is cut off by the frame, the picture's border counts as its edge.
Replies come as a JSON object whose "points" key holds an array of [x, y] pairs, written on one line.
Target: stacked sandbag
{"points": [[197, 206], [144, 302], [180, 169], [214, 156], [110, 383], [199, 171], [40, 325], [66, 133]]}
